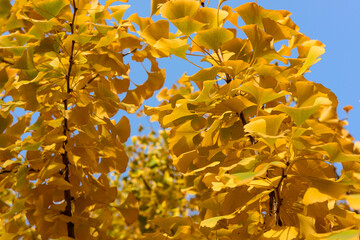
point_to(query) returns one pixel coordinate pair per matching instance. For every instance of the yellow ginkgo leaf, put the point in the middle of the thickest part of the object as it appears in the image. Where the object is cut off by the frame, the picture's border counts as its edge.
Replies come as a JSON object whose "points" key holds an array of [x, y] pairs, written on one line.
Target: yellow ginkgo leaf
{"points": [[123, 129], [79, 115], [252, 13], [281, 233], [299, 115], [265, 125], [177, 47], [179, 112], [262, 95], [129, 209], [211, 222], [50, 8], [155, 5], [155, 31], [176, 9], [188, 25], [337, 235], [337, 155], [118, 12], [211, 17], [354, 201], [213, 38], [312, 58]]}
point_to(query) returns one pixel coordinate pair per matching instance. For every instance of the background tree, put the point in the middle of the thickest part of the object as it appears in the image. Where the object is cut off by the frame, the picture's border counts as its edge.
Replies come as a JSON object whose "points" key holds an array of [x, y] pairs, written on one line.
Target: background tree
{"points": [[154, 185]]}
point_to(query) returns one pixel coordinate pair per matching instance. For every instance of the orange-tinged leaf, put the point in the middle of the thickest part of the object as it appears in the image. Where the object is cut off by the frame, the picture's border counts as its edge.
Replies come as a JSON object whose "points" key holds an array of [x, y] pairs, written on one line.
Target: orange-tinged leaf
{"points": [[155, 5], [347, 108], [123, 129], [79, 115], [176, 9]]}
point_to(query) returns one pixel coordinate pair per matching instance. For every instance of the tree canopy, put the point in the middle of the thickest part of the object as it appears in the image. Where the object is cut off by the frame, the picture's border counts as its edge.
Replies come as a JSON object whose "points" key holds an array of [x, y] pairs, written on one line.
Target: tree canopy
{"points": [[250, 149]]}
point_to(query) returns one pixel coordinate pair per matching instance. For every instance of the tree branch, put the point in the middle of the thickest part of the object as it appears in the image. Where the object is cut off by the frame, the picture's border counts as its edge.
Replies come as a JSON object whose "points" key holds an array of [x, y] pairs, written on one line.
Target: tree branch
{"points": [[65, 158]]}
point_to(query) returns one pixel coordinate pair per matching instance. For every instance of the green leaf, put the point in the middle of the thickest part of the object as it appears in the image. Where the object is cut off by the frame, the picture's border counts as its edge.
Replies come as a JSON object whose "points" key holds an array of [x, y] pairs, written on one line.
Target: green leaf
{"points": [[336, 155], [178, 9], [5, 8], [299, 115], [50, 8], [338, 235], [213, 38], [187, 25], [26, 62]]}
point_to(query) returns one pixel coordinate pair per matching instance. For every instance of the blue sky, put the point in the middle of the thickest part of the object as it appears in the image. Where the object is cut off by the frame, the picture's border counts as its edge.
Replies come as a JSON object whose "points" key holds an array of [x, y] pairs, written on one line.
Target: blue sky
{"points": [[333, 22]]}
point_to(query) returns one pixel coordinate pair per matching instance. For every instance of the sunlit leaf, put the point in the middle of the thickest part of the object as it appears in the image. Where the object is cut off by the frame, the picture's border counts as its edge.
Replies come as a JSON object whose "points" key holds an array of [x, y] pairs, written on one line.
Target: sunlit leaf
{"points": [[50, 8], [213, 38], [187, 25], [298, 114], [312, 58], [176, 9]]}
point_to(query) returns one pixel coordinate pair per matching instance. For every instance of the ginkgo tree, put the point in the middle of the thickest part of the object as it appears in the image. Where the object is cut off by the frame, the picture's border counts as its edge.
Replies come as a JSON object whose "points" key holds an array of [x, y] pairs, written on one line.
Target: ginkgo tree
{"points": [[258, 146], [257, 142], [64, 64]]}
